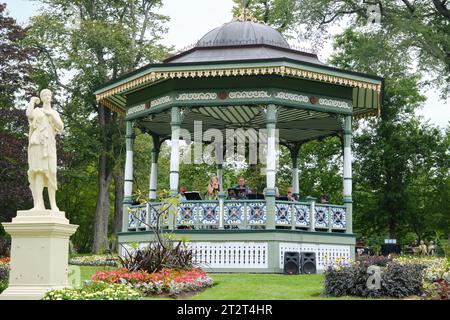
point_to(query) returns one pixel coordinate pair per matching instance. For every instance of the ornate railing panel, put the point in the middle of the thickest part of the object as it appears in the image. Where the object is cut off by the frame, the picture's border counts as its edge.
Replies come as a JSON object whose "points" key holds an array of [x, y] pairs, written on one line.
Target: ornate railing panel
{"points": [[241, 214], [283, 214], [256, 213], [208, 213], [321, 216], [234, 212], [301, 214], [338, 217], [137, 217], [187, 214]]}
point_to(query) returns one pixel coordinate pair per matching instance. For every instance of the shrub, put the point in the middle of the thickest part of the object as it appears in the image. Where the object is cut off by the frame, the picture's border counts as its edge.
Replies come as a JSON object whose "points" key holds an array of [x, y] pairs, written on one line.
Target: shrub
{"points": [[4, 273], [402, 280], [5, 245], [397, 280], [95, 291], [158, 256], [348, 280], [438, 290]]}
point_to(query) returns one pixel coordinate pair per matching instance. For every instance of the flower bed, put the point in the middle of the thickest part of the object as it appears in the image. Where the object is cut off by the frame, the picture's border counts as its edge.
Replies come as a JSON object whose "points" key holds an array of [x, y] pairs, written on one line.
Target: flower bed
{"points": [[95, 291], [4, 273], [166, 282], [4, 260], [94, 260]]}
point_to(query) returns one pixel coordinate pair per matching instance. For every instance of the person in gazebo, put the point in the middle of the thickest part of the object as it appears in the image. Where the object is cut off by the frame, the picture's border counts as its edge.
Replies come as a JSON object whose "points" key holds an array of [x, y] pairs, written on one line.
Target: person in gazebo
{"points": [[324, 199], [243, 189], [213, 189], [182, 193], [290, 194]]}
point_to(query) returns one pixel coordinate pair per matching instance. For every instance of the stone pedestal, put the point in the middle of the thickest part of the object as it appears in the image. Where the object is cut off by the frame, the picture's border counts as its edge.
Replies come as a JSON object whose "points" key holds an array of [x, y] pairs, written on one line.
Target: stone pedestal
{"points": [[39, 253]]}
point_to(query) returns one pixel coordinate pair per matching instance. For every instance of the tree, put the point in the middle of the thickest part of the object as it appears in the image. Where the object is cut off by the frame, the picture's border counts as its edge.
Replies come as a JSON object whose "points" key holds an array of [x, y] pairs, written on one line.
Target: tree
{"points": [[280, 14], [15, 68], [417, 28], [97, 41], [395, 153]]}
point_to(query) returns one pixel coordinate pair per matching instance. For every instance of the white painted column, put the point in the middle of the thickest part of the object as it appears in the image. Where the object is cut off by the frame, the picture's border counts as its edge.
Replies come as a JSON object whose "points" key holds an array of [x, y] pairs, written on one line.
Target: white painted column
{"points": [[128, 177], [175, 150], [295, 177], [271, 164], [348, 202], [154, 169]]}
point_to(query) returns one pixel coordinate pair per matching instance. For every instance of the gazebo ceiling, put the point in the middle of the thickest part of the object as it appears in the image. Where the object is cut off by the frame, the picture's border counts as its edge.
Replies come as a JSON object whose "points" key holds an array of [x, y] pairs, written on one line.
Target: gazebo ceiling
{"points": [[292, 125]]}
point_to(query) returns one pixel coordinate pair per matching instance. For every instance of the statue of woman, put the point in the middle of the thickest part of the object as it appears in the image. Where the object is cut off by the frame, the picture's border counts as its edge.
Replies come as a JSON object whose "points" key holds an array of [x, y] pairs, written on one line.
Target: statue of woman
{"points": [[45, 123]]}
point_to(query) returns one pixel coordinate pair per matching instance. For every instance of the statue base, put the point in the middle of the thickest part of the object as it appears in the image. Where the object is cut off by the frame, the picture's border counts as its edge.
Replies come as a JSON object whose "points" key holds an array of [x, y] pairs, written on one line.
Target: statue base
{"points": [[39, 253]]}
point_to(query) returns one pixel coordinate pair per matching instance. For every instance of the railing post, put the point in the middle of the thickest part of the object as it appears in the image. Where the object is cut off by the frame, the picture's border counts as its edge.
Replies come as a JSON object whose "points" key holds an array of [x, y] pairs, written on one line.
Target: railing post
{"points": [[292, 217], [312, 213], [148, 218], [330, 220], [221, 208], [197, 217]]}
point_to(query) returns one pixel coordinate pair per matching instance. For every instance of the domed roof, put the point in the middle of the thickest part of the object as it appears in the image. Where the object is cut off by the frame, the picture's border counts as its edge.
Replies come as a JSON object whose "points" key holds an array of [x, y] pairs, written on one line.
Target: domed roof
{"points": [[238, 33], [241, 40]]}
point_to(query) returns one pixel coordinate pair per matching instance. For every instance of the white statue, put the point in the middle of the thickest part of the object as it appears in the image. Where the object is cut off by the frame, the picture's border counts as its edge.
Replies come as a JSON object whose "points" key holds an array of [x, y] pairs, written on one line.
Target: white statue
{"points": [[45, 123]]}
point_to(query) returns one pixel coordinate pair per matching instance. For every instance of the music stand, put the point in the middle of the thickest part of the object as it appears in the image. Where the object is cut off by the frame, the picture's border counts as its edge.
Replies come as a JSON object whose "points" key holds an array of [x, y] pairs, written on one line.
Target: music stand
{"points": [[192, 196]]}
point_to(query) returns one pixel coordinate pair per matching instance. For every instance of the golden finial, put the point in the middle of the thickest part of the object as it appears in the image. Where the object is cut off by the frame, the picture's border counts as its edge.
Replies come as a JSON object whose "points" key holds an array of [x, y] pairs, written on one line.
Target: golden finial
{"points": [[245, 15]]}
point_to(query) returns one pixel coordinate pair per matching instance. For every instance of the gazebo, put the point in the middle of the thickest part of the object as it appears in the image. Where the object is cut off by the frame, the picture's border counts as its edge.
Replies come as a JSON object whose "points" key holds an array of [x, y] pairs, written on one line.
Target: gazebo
{"points": [[245, 75]]}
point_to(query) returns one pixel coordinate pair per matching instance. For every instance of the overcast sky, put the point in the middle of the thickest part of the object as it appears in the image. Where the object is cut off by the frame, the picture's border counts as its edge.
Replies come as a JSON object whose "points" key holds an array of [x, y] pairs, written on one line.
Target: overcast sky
{"points": [[190, 20]]}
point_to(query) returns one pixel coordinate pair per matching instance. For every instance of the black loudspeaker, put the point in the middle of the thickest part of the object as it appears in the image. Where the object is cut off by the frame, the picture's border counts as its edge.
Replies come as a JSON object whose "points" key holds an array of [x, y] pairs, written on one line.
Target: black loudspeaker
{"points": [[308, 263], [291, 262]]}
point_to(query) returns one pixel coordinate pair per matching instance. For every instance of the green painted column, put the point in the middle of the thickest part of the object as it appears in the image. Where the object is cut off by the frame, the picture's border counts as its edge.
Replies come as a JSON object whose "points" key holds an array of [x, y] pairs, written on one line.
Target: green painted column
{"points": [[154, 168], [271, 164], [348, 202], [128, 177]]}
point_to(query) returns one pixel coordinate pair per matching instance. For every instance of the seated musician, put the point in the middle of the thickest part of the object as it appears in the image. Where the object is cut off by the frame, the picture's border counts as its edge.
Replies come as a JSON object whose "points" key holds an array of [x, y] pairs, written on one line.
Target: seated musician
{"points": [[324, 199], [242, 189], [213, 189], [290, 194], [182, 195]]}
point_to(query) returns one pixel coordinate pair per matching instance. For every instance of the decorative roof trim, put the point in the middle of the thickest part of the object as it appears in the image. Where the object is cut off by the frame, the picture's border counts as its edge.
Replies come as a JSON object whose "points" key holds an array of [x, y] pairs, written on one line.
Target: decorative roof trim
{"points": [[112, 106], [279, 70]]}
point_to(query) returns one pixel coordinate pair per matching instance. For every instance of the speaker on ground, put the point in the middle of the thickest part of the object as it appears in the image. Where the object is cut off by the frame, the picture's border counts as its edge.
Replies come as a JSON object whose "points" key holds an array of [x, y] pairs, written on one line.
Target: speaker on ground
{"points": [[291, 262], [308, 263]]}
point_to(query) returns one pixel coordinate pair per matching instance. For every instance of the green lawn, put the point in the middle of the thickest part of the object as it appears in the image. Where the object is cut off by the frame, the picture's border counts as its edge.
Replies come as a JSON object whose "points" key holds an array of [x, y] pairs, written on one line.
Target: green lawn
{"points": [[254, 286]]}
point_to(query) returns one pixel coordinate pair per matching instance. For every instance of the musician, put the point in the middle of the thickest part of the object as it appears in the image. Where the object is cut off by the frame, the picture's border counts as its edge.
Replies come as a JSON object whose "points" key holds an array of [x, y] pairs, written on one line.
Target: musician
{"points": [[213, 189]]}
